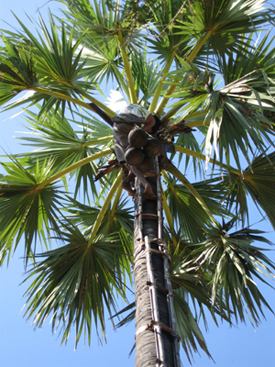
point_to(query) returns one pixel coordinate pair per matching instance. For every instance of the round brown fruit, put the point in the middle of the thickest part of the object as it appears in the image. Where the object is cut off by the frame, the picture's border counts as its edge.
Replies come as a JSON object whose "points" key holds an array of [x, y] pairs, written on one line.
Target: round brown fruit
{"points": [[152, 148], [137, 138], [134, 156]]}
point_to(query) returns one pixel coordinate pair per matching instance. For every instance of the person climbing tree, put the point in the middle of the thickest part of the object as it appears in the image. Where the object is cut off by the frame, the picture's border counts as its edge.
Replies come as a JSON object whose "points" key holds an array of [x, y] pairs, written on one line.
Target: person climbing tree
{"points": [[140, 123]]}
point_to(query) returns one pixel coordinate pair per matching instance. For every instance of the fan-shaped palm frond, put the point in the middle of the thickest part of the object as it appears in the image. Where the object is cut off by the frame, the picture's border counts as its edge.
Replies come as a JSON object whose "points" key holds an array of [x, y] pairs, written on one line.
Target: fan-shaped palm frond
{"points": [[236, 116], [58, 141], [256, 55], [186, 210], [256, 182], [99, 25], [146, 75], [188, 142], [118, 219], [26, 211], [223, 23], [56, 78], [76, 284], [165, 39], [233, 263], [17, 72], [187, 327]]}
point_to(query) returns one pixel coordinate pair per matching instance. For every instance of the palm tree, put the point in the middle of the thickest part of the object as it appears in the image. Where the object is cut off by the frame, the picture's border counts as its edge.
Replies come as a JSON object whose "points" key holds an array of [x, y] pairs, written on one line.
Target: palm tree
{"points": [[163, 55]]}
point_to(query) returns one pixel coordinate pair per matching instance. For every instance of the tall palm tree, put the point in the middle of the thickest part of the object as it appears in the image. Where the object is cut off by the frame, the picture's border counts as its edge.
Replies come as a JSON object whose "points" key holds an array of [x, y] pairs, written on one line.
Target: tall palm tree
{"points": [[163, 55]]}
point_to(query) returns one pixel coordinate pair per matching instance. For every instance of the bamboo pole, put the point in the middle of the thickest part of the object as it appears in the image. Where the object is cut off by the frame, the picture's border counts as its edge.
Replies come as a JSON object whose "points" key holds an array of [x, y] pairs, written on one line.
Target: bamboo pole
{"points": [[160, 353], [169, 218]]}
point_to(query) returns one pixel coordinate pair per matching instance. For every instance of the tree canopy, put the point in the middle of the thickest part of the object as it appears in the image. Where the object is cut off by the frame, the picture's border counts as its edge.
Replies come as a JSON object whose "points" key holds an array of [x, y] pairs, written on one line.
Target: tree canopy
{"points": [[209, 64]]}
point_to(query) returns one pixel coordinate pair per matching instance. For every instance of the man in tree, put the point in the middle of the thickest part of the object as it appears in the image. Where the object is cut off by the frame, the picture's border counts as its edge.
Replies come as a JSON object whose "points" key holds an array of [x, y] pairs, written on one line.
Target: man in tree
{"points": [[129, 118]]}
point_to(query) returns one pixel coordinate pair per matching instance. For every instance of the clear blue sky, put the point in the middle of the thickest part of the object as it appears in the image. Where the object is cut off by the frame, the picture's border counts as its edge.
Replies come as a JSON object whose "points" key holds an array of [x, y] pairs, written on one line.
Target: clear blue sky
{"points": [[21, 346]]}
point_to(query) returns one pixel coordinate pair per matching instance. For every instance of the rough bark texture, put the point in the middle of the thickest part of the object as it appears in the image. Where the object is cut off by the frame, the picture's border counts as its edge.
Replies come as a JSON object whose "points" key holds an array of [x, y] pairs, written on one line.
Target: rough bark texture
{"points": [[145, 340]]}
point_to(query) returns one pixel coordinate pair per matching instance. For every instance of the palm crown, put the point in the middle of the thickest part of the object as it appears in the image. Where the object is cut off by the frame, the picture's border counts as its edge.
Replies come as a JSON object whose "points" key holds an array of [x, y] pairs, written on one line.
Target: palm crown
{"points": [[165, 56]]}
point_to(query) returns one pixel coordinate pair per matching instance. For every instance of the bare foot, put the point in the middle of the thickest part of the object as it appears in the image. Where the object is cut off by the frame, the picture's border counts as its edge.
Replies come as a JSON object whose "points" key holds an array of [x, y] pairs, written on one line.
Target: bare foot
{"points": [[126, 186], [149, 192]]}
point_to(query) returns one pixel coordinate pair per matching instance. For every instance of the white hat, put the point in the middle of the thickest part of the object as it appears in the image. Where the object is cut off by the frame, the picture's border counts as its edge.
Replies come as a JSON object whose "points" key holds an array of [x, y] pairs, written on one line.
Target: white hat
{"points": [[136, 110]]}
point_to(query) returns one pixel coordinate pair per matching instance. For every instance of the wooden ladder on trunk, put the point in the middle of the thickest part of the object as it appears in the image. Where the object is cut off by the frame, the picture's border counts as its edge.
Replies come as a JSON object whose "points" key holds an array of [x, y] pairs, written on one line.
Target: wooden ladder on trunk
{"points": [[155, 247]]}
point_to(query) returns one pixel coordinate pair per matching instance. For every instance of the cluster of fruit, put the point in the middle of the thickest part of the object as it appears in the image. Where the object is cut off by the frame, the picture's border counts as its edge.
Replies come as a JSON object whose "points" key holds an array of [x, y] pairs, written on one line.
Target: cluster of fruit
{"points": [[141, 145], [163, 134]]}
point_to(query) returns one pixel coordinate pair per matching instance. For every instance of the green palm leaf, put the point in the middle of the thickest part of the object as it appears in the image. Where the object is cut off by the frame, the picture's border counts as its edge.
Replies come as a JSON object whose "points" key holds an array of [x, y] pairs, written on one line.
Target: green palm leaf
{"points": [[187, 212], [224, 22], [146, 76], [165, 39], [99, 21], [194, 284], [58, 141], [76, 285], [57, 57], [26, 212], [18, 72], [57, 78], [257, 55], [187, 327], [256, 182], [118, 219], [237, 117], [233, 261]]}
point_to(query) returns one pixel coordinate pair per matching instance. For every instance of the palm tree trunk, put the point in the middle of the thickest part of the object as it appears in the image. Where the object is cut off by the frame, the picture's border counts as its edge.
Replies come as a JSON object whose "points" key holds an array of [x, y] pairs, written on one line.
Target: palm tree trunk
{"points": [[146, 350]]}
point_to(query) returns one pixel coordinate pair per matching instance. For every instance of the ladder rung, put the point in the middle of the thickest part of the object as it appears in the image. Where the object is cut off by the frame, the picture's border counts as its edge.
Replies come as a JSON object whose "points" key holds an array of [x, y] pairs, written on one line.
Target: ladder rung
{"points": [[159, 287], [152, 326], [149, 216], [151, 174], [162, 253], [166, 328], [148, 196]]}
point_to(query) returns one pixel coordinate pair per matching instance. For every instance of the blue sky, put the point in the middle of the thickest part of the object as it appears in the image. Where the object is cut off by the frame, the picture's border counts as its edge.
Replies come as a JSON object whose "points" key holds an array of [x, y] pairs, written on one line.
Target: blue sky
{"points": [[21, 345]]}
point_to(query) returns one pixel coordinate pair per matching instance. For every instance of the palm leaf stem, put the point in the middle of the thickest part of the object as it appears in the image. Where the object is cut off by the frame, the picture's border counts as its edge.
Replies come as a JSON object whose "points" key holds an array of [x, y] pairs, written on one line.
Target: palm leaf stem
{"points": [[174, 171], [127, 68], [161, 83], [164, 100], [193, 115], [97, 141], [199, 45], [198, 123], [104, 208], [169, 218], [191, 57], [74, 100], [116, 201], [61, 96], [207, 122], [102, 114], [202, 156], [114, 206], [122, 83], [106, 109], [165, 119], [73, 167]]}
